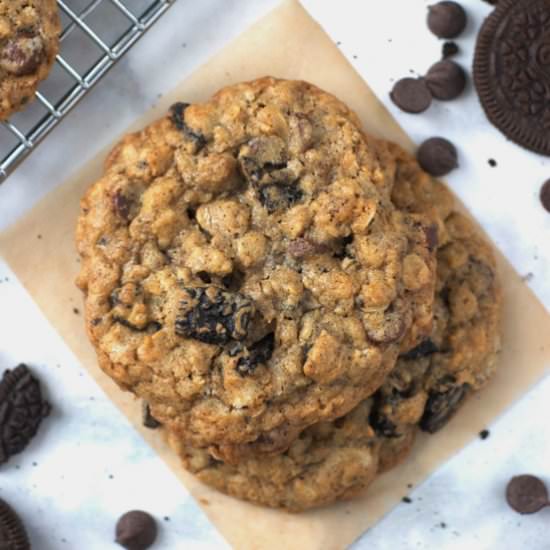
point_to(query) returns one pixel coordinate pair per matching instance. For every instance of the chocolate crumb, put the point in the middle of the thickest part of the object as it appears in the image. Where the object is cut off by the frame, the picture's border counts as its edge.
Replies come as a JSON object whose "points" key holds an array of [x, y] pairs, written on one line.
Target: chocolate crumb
{"points": [[449, 49], [136, 530], [492, 163], [527, 277], [484, 434], [76, 311], [526, 494], [408, 500], [545, 195]]}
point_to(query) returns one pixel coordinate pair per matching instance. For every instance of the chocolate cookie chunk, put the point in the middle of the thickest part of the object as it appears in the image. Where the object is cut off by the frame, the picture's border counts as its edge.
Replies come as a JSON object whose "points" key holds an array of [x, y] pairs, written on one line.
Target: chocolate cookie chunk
{"points": [[22, 409], [13, 535], [256, 275], [510, 71], [29, 42]]}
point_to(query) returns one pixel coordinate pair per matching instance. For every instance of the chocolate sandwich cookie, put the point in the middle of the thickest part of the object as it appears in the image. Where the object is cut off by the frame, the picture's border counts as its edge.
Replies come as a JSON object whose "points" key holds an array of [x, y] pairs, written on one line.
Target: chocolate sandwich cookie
{"points": [[22, 409], [511, 65], [13, 535]]}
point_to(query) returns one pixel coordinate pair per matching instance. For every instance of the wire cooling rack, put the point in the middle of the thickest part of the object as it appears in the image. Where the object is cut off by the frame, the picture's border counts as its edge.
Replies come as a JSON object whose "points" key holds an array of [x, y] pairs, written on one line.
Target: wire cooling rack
{"points": [[95, 35]]}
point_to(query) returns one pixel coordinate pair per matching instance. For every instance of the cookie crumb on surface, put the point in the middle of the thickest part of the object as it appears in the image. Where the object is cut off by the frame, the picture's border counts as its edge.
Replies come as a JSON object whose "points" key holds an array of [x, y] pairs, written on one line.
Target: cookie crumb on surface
{"points": [[484, 434], [527, 277]]}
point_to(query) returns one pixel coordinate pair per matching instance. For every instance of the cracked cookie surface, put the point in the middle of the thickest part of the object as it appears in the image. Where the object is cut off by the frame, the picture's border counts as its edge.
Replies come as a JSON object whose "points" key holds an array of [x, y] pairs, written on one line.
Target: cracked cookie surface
{"points": [[339, 459], [244, 269], [29, 42]]}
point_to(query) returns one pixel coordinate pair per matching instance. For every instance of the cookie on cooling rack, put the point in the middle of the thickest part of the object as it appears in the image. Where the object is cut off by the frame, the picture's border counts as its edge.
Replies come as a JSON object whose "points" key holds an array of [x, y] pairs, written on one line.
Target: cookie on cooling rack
{"points": [[337, 460], [29, 42], [244, 270]]}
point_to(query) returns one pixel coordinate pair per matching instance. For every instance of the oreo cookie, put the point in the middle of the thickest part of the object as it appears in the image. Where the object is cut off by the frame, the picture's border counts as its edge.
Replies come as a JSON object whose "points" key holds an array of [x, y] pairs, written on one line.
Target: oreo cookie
{"points": [[22, 409], [511, 67], [13, 535]]}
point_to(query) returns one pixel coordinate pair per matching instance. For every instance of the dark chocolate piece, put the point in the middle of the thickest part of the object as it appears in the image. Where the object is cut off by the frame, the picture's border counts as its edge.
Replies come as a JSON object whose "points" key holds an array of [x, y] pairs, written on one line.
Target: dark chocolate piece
{"points": [[437, 156], [446, 80], [22, 54], [214, 316], [258, 353], [447, 19], [432, 237], [511, 64], [484, 434], [149, 421], [545, 195], [425, 348], [136, 530], [526, 494], [449, 49], [22, 409], [13, 535], [411, 95], [177, 116], [441, 407]]}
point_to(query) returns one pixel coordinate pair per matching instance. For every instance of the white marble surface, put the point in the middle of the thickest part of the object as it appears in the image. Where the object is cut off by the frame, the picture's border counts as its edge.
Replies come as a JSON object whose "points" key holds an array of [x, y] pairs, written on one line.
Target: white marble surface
{"points": [[88, 465]]}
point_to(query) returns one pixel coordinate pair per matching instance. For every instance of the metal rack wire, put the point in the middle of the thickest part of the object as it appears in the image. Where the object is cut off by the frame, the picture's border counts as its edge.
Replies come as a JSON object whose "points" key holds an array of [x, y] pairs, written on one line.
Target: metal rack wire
{"points": [[95, 35]]}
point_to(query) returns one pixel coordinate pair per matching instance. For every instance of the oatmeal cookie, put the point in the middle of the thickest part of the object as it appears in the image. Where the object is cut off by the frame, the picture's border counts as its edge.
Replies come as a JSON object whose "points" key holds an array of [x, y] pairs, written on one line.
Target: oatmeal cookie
{"points": [[339, 459], [244, 269], [329, 461], [29, 42], [433, 380]]}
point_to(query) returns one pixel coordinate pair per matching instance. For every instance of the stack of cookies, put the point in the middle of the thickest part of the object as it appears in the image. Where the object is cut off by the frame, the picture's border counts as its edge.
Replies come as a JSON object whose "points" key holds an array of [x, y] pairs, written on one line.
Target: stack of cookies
{"points": [[292, 298]]}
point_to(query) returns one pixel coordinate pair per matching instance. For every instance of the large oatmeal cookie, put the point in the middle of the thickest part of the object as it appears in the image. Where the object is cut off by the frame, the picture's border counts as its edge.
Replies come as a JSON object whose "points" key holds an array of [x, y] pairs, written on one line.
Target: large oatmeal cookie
{"points": [[339, 459], [244, 270], [29, 42]]}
